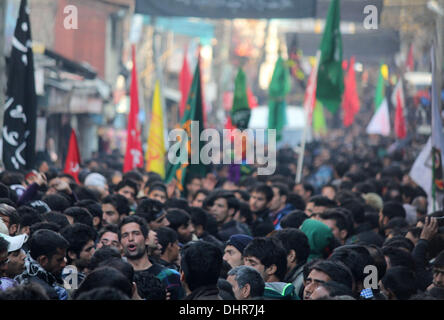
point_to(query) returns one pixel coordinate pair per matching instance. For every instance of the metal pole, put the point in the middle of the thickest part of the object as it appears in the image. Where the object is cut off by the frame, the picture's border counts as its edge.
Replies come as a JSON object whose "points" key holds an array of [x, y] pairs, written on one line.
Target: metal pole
{"points": [[306, 126]]}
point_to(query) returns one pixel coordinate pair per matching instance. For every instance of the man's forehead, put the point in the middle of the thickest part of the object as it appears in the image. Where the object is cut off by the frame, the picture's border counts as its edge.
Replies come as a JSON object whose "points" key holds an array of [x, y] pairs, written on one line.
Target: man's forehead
{"points": [[318, 275], [108, 205], [109, 234], [258, 194], [60, 252], [253, 259], [221, 200], [231, 248], [132, 226]]}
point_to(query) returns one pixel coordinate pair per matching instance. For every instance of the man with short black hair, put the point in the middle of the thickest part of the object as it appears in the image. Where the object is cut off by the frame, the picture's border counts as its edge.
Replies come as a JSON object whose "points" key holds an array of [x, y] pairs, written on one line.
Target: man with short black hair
{"points": [[108, 236], [114, 207], [45, 263], [180, 221], [200, 266], [95, 209], [269, 258], [324, 271], [279, 206], [260, 199], [199, 198], [81, 239], [153, 212], [157, 191], [79, 215], [305, 190], [339, 224], [223, 205], [296, 244], [133, 235], [398, 283], [128, 188], [201, 221], [390, 210], [169, 254], [330, 289], [318, 204]]}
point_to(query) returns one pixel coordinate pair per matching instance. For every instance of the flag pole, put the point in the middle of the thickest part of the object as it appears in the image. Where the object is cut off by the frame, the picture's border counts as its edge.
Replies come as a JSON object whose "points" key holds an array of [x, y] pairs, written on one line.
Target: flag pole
{"points": [[302, 149], [306, 125]]}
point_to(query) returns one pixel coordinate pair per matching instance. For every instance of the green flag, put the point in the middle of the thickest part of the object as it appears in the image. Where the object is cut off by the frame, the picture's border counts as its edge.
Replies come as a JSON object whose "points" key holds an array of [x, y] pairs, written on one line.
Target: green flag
{"points": [[193, 112], [330, 85], [319, 124], [240, 112], [280, 86], [380, 90]]}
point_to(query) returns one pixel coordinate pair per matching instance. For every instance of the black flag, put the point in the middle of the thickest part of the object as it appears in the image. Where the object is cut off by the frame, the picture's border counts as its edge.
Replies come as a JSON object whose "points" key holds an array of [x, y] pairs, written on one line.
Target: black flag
{"points": [[19, 126]]}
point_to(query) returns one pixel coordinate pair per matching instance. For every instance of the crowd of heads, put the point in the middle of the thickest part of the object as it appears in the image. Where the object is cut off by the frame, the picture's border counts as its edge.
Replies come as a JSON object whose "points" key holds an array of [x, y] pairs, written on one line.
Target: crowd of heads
{"points": [[355, 227]]}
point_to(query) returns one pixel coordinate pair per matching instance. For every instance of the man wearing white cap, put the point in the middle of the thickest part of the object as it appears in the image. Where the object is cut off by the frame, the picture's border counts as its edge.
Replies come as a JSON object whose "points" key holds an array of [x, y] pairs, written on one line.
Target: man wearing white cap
{"points": [[16, 255], [12, 260], [98, 182]]}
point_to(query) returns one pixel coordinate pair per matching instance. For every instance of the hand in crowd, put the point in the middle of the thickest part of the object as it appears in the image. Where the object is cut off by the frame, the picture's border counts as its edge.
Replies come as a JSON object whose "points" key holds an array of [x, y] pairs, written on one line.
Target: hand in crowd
{"points": [[209, 182], [40, 179], [430, 228], [59, 185]]}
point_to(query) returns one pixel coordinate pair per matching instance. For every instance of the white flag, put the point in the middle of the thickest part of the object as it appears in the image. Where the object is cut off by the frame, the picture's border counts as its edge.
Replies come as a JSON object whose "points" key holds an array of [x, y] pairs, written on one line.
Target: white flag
{"points": [[380, 122]]}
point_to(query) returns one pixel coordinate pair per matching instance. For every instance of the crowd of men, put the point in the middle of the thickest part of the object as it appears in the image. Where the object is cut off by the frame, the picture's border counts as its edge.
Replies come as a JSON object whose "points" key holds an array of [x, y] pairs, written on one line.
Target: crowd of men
{"points": [[356, 227]]}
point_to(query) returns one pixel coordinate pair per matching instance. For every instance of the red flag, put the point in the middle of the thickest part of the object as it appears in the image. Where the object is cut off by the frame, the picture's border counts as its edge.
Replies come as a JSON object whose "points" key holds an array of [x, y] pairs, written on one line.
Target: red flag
{"points": [[228, 124], [185, 80], [72, 163], [310, 93], [350, 102], [400, 126], [410, 63], [133, 154], [252, 100]]}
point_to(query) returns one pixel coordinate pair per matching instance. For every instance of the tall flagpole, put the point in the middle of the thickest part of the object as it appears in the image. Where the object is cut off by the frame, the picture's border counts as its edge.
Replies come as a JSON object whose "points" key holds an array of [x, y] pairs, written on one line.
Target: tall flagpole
{"points": [[307, 124]]}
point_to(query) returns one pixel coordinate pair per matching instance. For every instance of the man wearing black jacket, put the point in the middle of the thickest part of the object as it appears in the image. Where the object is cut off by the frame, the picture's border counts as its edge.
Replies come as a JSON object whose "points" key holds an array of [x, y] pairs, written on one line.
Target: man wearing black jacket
{"points": [[223, 205], [260, 200]]}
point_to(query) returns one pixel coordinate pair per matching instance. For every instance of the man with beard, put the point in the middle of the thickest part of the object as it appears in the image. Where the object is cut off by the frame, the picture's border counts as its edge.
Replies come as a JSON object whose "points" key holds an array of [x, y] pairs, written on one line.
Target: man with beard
{"points": [[223, 205], [260, 200], [133, 235], [45, 263], [81, 239], [180, 221]]}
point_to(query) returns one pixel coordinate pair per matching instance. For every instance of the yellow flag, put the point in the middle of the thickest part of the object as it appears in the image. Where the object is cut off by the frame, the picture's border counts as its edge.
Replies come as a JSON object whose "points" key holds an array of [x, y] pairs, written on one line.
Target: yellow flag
{"points": [[155, 155]]}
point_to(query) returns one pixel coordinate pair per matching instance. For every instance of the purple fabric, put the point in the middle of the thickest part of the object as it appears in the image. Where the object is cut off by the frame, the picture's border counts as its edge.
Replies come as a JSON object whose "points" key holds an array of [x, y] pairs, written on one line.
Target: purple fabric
{"points": [[234, 173], [6, 283]]}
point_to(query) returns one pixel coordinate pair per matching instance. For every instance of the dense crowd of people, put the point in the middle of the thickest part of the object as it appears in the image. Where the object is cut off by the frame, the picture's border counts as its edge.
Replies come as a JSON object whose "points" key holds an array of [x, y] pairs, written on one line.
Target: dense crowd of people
{"points": [[356, 227]]}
